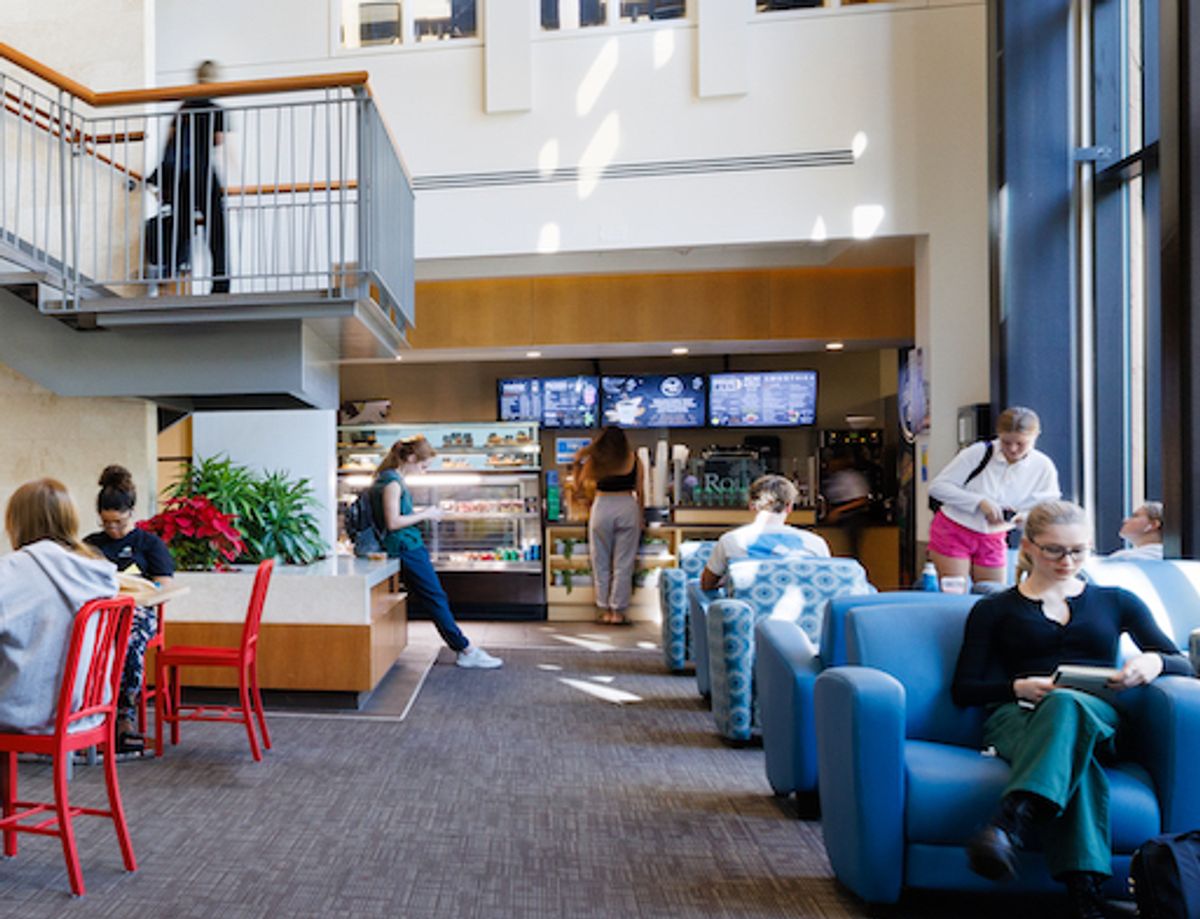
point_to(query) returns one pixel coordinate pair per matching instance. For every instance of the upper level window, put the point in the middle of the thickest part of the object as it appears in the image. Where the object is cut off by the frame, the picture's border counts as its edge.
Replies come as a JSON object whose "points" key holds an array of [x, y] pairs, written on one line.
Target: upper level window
{"points": [[578, 14], [767, 5], [391, 22]]}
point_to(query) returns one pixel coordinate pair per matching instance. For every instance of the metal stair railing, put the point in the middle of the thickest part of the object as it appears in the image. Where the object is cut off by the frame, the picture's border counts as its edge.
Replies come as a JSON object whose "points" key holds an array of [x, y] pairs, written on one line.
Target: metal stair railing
{"points": [[261, 189]]}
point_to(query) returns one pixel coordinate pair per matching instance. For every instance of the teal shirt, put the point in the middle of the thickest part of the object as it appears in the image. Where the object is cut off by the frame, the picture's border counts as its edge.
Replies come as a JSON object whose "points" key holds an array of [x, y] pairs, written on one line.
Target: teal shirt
{"points": [[405, 538]]}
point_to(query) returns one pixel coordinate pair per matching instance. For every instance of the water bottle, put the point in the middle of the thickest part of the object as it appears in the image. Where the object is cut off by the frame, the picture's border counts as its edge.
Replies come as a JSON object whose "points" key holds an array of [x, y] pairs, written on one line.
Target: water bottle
{"points": [[929, 577]]}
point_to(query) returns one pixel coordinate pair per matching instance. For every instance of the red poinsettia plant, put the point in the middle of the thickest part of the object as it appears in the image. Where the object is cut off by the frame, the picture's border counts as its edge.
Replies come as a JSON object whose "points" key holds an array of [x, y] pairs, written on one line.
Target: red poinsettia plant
{"points": [[200, 537]]}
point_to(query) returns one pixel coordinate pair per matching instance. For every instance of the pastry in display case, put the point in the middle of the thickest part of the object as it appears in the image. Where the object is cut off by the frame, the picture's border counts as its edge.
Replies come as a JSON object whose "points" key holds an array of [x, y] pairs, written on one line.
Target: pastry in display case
{"points": [[485, 480]]}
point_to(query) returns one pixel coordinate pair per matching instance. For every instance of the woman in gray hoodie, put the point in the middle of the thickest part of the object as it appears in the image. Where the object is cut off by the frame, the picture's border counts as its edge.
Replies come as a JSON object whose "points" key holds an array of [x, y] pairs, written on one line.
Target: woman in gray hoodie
{"points": [[43, 584]]}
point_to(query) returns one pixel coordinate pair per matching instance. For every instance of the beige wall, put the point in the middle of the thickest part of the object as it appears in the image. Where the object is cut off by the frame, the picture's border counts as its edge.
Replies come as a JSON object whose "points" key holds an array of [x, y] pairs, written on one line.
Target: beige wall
{"points": [[103, 44], [72, 439]]}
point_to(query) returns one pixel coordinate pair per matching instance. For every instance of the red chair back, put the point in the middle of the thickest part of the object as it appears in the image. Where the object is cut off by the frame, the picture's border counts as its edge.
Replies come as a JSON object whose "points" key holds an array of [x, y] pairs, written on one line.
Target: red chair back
{"points": [[258, 597], [105, 624]]}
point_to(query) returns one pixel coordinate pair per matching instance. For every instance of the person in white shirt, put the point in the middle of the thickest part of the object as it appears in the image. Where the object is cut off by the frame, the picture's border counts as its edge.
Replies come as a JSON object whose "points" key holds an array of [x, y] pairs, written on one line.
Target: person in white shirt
{"points": [[769, 536], [1143, 531], [984, 492]]}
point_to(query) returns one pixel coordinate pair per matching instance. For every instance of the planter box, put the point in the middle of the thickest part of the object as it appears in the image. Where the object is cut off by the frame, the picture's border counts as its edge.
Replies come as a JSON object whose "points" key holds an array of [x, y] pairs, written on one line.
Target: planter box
{"points": [[337, 625]]}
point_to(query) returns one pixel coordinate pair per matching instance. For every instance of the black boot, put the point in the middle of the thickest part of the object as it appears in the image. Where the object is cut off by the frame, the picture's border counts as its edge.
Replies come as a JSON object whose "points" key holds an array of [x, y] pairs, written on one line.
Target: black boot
{"points": [[1087, 900], [993, 850]]}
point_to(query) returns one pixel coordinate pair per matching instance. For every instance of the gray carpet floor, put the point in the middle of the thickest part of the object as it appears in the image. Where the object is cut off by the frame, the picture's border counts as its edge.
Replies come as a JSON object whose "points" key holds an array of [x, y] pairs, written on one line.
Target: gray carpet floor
{"points": [[578, 781]]}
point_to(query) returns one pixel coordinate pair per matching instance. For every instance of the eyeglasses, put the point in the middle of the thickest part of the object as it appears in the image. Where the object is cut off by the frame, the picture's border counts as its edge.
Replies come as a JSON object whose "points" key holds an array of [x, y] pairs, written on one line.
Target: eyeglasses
{"points": [[1058, 553]]}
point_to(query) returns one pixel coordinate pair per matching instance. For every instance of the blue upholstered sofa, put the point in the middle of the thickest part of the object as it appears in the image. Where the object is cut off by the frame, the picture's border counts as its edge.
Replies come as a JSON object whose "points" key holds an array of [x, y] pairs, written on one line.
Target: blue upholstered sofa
{"points": [[790, 589], [904, 784], [673, 602], [786, 666]]}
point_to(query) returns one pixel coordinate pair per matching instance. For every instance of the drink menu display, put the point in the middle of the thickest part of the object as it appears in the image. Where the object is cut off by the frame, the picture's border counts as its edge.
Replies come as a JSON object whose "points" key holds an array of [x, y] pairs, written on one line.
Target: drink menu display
{"points": [[672, 401], [570, 402], [555, 402], [520, 399], [776, 399]]}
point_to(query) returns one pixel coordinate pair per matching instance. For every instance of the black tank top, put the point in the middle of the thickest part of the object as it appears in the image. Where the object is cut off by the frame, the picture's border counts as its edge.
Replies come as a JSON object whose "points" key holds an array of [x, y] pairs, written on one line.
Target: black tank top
{"points": [[625, 482]]}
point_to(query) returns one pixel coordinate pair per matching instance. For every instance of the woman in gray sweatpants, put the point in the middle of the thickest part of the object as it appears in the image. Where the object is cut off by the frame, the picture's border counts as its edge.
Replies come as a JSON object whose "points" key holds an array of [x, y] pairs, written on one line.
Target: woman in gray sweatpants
{"points": [[615, 522], [614, 532]]}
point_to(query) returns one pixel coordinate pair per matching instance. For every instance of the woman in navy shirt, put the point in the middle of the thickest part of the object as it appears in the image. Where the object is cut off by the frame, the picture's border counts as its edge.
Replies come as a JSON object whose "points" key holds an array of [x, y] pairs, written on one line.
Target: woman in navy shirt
{"points": [[127, 546]]}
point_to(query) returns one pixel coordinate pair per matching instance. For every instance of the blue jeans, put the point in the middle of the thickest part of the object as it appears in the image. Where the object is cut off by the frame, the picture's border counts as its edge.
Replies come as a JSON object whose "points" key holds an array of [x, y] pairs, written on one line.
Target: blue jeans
{"points": [[416, 570]]}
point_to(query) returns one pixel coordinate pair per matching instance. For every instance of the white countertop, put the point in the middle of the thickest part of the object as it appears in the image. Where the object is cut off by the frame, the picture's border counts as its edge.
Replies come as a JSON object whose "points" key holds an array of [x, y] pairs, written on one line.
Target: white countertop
{"points": [[332, 591]]}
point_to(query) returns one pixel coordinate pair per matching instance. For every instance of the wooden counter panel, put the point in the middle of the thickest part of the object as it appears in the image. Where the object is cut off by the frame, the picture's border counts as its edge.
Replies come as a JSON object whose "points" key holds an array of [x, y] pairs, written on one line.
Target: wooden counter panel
{"points": [[754, 305], [339, 658], [389, 629], [466, 314], [842, 303]]}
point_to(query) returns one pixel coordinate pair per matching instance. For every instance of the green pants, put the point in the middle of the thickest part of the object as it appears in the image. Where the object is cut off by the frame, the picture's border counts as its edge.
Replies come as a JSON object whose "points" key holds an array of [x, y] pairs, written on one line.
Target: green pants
{"points": [[1053, 752]]}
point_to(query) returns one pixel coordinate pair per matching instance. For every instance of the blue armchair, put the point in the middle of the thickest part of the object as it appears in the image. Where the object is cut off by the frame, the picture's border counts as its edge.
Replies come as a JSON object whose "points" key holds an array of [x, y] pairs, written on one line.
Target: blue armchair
{"points": [[787, 665], [789, 589], [903, 783], [673, 602]]}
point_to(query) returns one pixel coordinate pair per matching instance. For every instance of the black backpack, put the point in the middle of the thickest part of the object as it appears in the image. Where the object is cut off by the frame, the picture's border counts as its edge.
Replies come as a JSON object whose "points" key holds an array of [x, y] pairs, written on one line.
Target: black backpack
{"points": [[935, 504], [1165, 876], [361, 526]]}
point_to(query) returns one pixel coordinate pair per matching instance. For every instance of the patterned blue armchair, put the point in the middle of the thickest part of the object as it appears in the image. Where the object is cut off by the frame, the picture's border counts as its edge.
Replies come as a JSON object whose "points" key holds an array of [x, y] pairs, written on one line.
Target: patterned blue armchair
{"points": [[673, 602], [793, 589]]}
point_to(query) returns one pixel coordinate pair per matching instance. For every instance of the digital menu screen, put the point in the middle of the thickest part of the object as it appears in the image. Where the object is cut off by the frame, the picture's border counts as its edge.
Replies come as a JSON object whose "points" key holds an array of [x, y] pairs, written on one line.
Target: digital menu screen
{"points": [[763, 400], [570, 402], [670, 401], [554, 402], [520, 399]]}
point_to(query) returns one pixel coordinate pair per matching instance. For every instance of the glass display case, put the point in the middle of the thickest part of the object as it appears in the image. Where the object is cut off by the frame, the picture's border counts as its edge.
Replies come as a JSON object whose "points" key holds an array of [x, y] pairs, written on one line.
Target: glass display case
{"points": [[485, 480]]}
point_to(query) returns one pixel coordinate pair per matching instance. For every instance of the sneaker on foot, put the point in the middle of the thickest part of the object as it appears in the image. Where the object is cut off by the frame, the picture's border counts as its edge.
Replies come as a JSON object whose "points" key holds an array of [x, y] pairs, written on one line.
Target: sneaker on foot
{"points": [[475, 656]]}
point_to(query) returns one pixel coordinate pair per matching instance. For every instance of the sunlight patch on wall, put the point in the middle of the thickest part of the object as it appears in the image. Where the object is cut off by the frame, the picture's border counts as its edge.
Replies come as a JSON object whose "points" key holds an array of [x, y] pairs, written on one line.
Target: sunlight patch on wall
{"points": [[865, 220], [599, 154], [664, 47], [549, 239], [548, 158], [597, 78]]}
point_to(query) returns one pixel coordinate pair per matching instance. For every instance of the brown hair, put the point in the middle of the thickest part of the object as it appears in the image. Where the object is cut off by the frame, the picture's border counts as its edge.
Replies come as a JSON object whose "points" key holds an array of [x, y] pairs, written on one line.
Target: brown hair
{"points": [[404, 450], [772, 493], [117, 492], [1017, 419], [609, 453], [1046, 514], [43, 509]]}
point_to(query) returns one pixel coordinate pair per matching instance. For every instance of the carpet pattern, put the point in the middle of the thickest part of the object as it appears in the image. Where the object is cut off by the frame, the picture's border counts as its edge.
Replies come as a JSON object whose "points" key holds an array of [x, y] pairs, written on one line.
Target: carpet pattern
{"points": [[510, 793]]}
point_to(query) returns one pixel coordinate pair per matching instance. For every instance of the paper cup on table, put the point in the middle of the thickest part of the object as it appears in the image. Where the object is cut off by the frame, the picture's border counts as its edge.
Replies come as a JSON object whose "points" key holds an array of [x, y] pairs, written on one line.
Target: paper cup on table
{"points": [[954, 584]]}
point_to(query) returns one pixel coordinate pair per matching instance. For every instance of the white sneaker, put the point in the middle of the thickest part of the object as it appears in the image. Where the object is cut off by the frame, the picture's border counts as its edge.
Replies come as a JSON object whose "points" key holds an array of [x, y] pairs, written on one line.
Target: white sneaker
{"points": [[476, 657]]}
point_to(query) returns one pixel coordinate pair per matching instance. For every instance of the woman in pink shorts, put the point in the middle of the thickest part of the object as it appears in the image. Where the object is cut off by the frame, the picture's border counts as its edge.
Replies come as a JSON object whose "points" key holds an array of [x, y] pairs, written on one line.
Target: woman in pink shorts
{"points": [[982, 491]]}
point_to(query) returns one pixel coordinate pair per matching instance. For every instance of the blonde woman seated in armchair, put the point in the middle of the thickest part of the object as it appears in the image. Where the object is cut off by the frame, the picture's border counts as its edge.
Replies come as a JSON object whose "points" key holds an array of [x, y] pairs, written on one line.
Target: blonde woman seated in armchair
{"points": [[1055, 739]]}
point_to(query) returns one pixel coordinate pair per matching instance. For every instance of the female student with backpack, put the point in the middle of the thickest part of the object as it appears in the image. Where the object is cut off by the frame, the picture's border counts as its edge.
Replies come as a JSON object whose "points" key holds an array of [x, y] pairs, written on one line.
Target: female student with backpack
{"points": [[393, 505]]}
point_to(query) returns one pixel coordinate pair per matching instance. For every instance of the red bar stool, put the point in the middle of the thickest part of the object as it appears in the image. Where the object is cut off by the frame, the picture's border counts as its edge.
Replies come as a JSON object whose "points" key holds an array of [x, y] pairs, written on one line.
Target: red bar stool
{"points": [[243, 658], [78, 724]]}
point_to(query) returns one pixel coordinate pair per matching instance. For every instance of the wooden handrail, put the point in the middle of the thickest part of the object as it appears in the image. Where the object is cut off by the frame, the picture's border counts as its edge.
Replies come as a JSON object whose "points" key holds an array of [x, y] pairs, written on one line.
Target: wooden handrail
{"points": [[355, 78], [293, 188]]}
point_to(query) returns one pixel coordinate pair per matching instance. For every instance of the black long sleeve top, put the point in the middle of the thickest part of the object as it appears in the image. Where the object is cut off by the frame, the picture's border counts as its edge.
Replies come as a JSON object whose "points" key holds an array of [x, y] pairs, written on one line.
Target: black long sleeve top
{"points": [[1008, 637]]}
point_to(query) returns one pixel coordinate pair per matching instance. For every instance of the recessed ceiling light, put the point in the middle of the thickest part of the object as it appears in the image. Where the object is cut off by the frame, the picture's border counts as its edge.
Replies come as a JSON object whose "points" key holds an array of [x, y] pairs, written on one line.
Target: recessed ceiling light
{"points": [[399, 357], [533, 353], [679, 350], [835, 345]]}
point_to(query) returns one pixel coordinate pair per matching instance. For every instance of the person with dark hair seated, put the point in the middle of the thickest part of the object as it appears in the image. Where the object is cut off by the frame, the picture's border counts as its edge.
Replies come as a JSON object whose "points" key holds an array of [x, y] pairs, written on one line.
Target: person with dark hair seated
{"points": [[135, 551]]}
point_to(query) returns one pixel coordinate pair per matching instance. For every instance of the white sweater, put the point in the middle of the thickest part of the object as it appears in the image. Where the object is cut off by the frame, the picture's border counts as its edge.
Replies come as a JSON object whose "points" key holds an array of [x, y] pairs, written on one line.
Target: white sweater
{"points": [[1019, 485], [42, 587]]}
